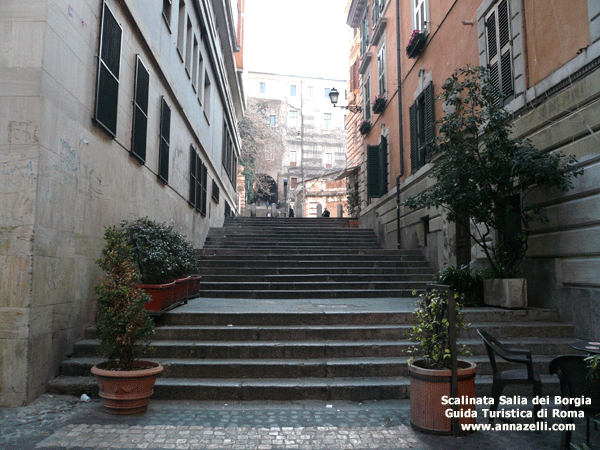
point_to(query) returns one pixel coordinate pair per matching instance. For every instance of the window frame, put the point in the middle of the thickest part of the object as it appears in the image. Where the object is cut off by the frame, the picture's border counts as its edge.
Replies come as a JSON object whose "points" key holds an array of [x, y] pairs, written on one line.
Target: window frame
{"points": [[420, 8], [181, 29], [167, 13], [382, 70]]}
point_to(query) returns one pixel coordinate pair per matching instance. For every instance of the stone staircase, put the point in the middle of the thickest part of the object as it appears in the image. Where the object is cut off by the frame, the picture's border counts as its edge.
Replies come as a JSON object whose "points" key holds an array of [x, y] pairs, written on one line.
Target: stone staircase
{"points": [[305, 258], [269, 344]]}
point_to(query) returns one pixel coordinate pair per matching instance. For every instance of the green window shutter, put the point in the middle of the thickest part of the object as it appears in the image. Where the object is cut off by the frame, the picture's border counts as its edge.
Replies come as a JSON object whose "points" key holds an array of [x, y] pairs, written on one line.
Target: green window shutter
{"points": [[375, 180], [109, 64], [193, 176], [414, 155], [165, 138], [429, 113], [383, 158]]}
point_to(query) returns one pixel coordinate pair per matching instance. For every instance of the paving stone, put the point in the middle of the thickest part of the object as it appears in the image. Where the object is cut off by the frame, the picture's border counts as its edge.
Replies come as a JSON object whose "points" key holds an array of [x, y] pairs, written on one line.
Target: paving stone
{"points": [[60, 423]]}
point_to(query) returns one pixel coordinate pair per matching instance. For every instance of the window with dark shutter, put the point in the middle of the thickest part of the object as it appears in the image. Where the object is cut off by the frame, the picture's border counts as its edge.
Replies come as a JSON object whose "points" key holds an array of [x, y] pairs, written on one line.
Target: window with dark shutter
{"points": [[375, 180], [193, 176], [499, 52], [204, 184], [215, 191], [165, 139], [422, 127], [139, 126], [109, 63]]}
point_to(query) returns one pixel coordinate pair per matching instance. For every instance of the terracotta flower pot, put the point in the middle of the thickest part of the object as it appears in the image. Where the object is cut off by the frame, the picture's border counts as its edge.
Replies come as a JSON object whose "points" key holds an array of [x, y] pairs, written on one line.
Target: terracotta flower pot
{"points": [[162, 295], [126, 392], [427, 387]]}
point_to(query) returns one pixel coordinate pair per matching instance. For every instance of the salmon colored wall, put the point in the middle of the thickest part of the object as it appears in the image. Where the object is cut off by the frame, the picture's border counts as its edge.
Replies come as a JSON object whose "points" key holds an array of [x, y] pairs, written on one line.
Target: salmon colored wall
{"points": [[450, 45], [389, 118], [552, 24]]}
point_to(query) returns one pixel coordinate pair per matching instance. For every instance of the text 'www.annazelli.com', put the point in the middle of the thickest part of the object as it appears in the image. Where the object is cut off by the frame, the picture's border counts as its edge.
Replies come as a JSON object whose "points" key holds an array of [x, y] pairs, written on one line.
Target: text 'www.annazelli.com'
{"points": [[538, 426]]}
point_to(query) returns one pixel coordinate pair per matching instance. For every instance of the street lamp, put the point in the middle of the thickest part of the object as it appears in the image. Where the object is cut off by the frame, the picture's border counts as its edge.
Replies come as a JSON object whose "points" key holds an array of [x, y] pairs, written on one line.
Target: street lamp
{"points": [[334, 95]]}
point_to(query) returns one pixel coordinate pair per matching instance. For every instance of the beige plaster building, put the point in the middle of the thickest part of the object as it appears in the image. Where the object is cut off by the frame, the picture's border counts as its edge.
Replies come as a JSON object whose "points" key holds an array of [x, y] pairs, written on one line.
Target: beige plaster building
{"points": [[312, 131], [110, 110]]}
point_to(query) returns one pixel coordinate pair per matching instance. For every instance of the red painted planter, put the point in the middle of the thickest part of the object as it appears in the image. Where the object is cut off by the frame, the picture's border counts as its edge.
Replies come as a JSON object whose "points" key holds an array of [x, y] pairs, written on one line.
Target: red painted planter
{"points": [[162, 295], [182, 287], [195, 286]]}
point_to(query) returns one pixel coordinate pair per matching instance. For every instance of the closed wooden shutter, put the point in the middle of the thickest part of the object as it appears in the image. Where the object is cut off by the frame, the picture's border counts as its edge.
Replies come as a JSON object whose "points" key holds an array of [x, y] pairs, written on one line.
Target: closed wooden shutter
{"points": [[414, 158], [165, 139], [429, 101], [498, 34], [193, 176], [374, 176], [109, 64], [139, 126]]}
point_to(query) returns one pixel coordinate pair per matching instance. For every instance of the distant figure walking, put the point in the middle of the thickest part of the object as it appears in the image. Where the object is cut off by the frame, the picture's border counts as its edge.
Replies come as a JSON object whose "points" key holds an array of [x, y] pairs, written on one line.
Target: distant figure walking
{"points": [[326, 213], [291, 212]]}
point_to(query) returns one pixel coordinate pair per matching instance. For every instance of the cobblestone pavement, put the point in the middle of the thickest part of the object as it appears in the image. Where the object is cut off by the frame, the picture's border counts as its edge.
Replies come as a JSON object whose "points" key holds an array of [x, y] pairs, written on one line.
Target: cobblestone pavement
{"points": [[61, 422]]}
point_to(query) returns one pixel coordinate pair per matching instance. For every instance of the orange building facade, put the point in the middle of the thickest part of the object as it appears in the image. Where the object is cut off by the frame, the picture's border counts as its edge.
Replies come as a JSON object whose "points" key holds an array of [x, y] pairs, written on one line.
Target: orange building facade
{"points": [[544, 56]]}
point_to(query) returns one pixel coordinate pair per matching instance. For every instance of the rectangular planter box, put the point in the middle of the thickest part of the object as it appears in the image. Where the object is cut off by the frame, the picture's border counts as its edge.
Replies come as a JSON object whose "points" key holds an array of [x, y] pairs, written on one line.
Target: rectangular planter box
{"points": [[182, 288], [162, 295], [505, 292]]}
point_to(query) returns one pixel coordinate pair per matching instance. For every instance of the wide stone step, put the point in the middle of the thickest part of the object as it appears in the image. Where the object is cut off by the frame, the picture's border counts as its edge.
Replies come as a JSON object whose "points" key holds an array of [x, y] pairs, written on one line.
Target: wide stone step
{"points": [[324, 262], [307, 252], [306, 294], [349, 332], [293, 368], [350, 389], [293, 279], [398, 311], [263, 270], [302, 285], [281, 349], [309, 255]]}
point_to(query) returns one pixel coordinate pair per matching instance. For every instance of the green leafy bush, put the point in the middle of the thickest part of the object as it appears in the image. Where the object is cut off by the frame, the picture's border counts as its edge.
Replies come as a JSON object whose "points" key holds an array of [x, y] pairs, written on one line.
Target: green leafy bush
{"points": [[431, 330], [121, 320], [468, 285], [160, 253], [482, 171]]}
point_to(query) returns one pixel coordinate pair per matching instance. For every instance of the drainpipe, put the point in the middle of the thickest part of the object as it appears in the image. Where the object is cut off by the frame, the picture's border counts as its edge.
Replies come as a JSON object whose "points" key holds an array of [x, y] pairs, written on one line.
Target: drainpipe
{"points": [[400, 134]]}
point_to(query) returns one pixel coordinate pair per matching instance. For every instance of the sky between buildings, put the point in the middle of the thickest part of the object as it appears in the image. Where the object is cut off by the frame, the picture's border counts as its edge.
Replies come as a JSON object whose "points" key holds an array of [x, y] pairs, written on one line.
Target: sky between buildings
{"points": [[297, 37]]}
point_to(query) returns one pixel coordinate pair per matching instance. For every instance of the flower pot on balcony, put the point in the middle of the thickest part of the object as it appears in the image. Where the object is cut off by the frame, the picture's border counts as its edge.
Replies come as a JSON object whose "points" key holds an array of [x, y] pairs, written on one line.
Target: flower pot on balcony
{"points": [[364, 128], [416, 44], [379, 105]]}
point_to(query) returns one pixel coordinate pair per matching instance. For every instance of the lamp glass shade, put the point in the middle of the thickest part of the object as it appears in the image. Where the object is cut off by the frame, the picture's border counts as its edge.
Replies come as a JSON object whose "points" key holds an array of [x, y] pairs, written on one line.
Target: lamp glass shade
{"points": [[334, 95]]}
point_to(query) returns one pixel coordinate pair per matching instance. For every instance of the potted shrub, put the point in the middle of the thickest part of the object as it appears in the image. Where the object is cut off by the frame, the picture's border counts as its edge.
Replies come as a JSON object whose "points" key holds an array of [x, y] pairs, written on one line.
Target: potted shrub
{"points": [[364, 127], [416, 43], [468, 285], [378, 104], [122, 326], [484, 173], [165, 260], [353, 204], [430, 374]]}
